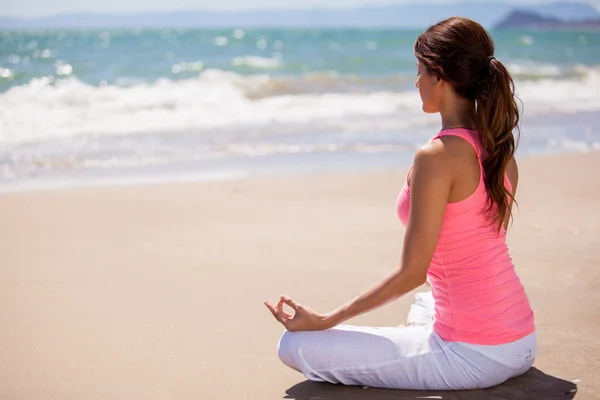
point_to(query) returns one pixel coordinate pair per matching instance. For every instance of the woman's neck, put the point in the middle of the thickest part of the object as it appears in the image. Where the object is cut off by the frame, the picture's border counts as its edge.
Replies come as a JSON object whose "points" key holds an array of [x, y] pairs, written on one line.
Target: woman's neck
{"points": [[458, 114]]}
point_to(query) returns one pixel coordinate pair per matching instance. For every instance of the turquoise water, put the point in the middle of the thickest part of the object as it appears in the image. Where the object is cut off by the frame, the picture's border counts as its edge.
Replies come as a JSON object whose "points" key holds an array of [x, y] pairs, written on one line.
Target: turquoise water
{"points": [[88, 103], [128, 56]]}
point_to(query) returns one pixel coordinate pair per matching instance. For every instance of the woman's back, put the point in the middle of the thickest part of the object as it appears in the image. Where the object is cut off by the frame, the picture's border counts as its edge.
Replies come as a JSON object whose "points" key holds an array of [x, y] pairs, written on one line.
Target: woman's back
{"points": [[455, 204], [479, 298]]}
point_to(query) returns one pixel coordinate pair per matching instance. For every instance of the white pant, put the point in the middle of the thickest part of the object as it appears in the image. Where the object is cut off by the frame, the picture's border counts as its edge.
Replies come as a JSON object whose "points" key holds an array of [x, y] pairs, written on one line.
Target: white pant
{"points": [[406, 357]]}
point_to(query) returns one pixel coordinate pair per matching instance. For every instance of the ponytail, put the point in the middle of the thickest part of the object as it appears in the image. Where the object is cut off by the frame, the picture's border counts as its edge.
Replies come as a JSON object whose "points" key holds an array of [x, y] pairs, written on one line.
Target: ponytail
{"points": [[497, 116]]}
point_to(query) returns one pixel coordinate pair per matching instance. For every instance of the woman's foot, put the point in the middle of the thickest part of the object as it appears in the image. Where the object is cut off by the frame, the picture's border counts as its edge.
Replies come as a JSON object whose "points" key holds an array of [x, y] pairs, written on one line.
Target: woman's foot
{"points": [[422, 311]]}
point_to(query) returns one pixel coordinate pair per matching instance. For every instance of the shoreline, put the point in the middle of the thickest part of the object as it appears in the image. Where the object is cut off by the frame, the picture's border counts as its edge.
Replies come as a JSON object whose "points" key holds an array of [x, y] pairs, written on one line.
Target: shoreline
{"points": [[402, 162], [50, 166]]}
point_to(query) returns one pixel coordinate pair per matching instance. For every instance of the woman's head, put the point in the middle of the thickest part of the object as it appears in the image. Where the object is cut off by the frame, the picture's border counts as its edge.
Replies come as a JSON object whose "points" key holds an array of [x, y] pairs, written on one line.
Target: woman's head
{"points": [[456, 51], [460, 53]]}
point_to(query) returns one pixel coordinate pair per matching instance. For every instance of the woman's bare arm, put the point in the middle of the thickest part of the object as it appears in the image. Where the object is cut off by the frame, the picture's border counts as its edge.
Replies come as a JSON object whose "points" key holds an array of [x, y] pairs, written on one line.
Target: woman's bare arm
{"points": [[431, 181]]}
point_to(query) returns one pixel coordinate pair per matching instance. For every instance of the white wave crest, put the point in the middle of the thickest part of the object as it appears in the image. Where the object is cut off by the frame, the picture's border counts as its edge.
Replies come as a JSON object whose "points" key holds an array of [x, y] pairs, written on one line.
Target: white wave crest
{"points": [[217, 100], [530, 70], [257, 62], [549, 96]]}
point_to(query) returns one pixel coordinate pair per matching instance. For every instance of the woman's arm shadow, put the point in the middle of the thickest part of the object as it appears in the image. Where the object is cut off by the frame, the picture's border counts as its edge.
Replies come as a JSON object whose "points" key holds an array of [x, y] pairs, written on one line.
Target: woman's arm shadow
{"points": [[530, 386]]}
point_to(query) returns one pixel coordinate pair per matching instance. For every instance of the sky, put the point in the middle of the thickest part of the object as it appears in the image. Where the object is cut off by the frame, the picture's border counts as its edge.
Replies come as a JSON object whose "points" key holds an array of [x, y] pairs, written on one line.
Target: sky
{"points": [[42, 8]]}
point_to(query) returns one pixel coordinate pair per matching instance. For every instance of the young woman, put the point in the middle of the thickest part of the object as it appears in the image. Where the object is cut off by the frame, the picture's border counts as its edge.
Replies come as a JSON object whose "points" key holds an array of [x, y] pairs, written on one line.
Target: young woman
{"points": [[456, 205]]}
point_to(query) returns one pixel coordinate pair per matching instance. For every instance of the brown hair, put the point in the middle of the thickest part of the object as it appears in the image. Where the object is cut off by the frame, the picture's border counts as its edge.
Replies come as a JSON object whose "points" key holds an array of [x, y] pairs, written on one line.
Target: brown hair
{"points": [[460, 51]]}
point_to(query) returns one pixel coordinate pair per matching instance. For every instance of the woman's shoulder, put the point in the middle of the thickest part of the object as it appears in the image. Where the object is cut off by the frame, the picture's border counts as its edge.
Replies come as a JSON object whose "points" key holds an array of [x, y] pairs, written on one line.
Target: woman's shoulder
{"points": [[439, 157], [447, 149]]}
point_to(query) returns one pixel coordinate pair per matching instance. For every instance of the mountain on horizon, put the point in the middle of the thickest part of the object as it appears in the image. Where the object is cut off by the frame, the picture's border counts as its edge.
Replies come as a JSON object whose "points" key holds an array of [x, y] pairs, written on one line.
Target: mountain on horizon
{"points": [[415, 15], [520, 19]]}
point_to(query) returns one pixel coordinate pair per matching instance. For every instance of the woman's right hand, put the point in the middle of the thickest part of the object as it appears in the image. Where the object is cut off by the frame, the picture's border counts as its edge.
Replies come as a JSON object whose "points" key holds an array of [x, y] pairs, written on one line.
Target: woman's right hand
{"points": [[302, 319]]}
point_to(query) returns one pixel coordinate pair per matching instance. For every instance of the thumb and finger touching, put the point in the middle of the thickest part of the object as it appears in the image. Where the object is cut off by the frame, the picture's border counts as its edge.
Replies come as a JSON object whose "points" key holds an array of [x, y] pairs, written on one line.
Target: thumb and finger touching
{"points": [[278, 311]]}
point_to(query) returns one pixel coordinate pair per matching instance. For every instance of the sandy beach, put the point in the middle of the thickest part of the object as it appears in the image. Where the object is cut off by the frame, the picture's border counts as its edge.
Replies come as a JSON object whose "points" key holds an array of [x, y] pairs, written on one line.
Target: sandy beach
{"points": [[156, 292]]}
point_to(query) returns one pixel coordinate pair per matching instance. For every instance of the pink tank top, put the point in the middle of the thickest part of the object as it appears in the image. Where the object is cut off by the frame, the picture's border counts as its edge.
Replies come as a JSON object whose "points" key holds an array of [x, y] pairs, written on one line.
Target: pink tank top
{"points": [[478, 296]]}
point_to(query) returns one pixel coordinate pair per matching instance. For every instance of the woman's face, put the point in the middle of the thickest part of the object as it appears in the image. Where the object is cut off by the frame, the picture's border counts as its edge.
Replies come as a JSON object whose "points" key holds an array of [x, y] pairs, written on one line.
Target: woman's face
{"points": [[430, 89]]}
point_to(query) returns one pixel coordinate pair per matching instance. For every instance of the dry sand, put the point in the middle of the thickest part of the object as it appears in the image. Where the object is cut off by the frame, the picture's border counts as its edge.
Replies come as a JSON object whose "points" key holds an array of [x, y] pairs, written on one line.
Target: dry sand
{"points": [[156, 292]]}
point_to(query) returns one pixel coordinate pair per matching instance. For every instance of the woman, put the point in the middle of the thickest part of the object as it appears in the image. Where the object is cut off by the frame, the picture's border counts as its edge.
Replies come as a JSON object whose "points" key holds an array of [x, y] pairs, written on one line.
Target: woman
{"points": [[456, 205]]}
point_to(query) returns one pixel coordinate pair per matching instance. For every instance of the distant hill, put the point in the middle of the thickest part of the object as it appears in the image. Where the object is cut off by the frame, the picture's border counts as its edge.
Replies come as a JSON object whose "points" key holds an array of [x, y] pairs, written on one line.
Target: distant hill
{"points": [[530, 20], [412, 15], [565, 11]]}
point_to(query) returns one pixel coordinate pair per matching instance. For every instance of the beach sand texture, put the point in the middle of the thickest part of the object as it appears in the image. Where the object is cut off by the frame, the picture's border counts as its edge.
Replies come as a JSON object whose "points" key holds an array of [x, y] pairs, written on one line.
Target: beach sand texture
{"points": [[157, 292]]}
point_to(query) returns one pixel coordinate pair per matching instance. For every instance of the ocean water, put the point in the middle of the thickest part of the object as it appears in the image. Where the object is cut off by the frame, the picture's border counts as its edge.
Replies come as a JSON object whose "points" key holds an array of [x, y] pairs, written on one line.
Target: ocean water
{"points": [[86, 107]]}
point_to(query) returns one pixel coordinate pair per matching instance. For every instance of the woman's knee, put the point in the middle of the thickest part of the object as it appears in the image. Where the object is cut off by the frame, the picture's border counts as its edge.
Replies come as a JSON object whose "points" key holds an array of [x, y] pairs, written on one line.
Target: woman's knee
{"points": [[287, 349]]}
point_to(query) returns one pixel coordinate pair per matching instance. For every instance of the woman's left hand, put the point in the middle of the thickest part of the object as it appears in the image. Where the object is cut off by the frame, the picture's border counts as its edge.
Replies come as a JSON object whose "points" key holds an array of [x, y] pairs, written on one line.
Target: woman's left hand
{"points": [[303, 319]]}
